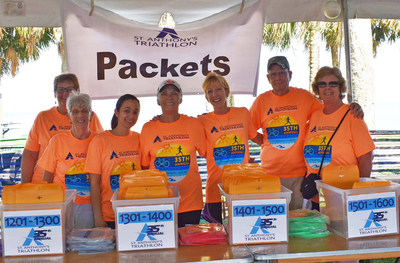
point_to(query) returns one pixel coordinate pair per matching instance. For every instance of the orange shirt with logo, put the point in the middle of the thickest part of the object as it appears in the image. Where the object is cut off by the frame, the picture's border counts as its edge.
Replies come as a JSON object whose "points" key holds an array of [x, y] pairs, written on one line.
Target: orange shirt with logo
{"points": [[110, 156], [65, 157], [351, 140], [283, 122], [46, 125], [227, 143], [172, 147]]}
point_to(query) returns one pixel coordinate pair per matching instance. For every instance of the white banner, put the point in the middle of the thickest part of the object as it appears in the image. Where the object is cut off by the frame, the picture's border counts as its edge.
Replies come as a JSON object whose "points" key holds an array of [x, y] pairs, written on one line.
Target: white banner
{"points": [[112, 55]]}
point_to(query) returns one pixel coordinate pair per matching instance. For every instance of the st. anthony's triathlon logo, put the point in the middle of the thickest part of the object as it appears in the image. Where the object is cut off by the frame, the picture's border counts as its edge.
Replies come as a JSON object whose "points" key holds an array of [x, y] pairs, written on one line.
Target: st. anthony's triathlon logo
{"points": [[149, 232], [166, 38]]}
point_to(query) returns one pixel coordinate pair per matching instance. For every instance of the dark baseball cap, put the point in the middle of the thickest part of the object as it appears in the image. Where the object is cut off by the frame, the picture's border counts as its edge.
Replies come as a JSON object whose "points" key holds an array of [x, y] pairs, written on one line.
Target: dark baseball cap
{"points": [[279, 60], [169, 82]]}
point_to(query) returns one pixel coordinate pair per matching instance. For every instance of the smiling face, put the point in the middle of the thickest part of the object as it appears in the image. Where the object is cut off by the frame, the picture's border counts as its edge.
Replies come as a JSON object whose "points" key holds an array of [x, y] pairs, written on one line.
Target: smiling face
{"points": [[128, 114], [279, 79], [216, 94], [79, 117], [328, 89], [64, 88], [169, 98]]}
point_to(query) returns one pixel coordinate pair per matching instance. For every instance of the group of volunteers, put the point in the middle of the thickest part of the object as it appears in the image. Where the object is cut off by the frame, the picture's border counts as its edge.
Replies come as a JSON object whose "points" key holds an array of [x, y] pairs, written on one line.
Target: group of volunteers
{"points": [[67, 144]]}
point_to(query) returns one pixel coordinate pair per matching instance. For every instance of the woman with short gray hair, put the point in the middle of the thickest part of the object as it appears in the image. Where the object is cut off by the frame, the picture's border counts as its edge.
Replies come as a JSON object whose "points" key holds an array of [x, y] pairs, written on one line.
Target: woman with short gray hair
{"points": [[64, 159]]}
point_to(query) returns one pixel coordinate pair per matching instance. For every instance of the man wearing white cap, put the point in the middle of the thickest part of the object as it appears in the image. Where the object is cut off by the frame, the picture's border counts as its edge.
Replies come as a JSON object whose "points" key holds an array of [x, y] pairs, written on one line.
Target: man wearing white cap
{"points": [[283, 113]]}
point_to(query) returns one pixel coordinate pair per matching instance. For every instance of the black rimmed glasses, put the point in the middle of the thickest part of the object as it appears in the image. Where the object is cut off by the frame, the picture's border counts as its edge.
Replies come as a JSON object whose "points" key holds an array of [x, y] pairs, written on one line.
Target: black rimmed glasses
{"points": [[62, 90], [332, 84]]}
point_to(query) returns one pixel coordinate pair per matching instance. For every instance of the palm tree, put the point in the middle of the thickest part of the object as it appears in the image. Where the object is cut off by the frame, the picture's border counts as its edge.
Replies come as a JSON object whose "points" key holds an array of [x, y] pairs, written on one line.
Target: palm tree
{"points": [[22, 44], [379, 30]]}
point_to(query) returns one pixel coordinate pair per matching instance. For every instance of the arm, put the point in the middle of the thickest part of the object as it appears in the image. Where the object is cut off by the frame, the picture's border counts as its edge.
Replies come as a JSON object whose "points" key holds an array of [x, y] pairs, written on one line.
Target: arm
{"points": [[28, 163], [96, 200], [356, 110], [48, 176], [258, 139], [365, 164]]}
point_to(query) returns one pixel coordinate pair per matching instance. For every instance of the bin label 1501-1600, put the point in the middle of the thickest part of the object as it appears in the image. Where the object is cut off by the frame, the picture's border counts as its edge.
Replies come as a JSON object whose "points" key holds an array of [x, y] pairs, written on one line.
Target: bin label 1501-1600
{"points": [[372, 214]]}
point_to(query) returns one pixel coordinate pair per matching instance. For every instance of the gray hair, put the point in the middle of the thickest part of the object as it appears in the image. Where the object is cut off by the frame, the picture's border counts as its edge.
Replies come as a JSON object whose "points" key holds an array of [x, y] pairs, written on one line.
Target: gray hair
{"points": [[81, 100]]}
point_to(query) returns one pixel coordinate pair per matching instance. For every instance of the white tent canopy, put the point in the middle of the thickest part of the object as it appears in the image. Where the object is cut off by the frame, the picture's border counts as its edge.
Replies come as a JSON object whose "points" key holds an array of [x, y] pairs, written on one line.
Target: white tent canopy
{"points": [[47, 12]]}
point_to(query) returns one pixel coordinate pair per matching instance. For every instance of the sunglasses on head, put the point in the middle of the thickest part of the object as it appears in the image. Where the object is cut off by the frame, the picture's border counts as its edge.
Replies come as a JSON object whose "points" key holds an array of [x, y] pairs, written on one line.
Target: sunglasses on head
{"points": [[332, 84]]}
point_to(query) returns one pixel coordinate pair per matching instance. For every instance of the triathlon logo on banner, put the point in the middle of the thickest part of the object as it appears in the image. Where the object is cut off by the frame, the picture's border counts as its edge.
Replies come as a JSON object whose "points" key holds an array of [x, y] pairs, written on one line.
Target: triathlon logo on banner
{"points": [[116, 55]]}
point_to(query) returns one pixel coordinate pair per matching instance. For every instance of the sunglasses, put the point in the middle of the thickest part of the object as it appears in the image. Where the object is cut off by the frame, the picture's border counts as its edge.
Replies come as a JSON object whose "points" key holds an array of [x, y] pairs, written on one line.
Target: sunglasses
{"points": [[332, 84]]}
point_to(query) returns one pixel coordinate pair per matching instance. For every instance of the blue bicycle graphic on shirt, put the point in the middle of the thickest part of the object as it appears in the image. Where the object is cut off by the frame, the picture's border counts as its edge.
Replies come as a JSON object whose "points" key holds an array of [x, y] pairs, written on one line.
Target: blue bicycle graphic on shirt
{"points": [[161, 162], [220, 152], [308, 150], [72, 179], [273, 132]]}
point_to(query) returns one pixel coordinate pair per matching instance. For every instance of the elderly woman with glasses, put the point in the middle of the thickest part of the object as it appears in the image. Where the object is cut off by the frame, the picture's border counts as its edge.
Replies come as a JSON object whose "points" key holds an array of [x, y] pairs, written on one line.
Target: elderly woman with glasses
{"points": [[64, 159], [352, 143], [47, 124]]}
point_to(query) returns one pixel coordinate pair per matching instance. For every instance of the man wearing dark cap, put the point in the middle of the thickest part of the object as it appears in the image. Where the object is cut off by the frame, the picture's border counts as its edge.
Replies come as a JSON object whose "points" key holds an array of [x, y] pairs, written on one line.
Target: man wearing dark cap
{"points": [[282, 113]]}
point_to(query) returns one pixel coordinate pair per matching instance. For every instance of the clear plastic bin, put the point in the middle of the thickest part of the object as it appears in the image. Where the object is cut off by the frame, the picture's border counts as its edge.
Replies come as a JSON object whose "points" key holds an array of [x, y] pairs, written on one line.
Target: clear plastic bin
{"points": [[41, 233], [133, 237], [334, 204], [227, 215]]}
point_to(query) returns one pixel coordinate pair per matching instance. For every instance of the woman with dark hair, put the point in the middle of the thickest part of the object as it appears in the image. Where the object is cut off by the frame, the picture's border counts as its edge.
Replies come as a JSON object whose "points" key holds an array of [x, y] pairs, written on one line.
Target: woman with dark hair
{"points": [[110, 154]]}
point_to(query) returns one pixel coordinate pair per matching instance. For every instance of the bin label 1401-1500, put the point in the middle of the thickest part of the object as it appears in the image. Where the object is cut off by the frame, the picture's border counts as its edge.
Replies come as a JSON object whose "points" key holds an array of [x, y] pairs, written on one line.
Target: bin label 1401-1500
{"points": [[255, 221]]}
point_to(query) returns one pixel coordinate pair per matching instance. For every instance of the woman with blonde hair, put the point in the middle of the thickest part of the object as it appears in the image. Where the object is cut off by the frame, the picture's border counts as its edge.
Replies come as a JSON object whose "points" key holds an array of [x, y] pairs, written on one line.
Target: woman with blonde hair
{"points": [[227, 130]]}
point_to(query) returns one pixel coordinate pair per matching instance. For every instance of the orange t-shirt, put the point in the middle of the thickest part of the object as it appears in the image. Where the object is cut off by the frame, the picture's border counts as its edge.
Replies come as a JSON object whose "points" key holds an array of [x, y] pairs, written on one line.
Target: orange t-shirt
{"points": [[46, 125], [110, 156], [65, 157], [171, 147], [227, 143], [351, 140], [283, 121]]}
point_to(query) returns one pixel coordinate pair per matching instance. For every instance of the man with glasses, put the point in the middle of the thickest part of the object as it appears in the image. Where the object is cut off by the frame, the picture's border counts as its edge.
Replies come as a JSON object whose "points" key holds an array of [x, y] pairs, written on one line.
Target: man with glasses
{"points": [[47, 124], [282, 113]]}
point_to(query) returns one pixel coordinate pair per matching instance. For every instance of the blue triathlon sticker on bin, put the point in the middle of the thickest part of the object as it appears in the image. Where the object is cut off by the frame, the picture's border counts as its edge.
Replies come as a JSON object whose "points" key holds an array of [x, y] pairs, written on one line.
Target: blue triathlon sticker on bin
{"points": [[282, 131], [228, 149], [259, 221], [372, 214], [174, 159]]}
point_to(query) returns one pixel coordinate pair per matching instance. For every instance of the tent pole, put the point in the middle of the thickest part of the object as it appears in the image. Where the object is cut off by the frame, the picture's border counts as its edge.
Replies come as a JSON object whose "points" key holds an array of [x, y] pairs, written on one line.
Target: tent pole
{"points": [[345, 22]]}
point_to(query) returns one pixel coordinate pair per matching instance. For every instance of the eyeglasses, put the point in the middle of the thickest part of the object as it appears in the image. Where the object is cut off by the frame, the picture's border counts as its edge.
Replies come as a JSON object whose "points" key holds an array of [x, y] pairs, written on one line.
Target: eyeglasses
{"points": [[62, 90], [332, 84], [280, 74], [83, 111]]}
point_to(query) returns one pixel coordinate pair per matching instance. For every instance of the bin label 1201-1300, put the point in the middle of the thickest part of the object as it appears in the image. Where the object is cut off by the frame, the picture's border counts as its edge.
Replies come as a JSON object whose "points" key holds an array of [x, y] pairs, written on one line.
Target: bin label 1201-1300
{"points": [[33, 232], [372, 214]]}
